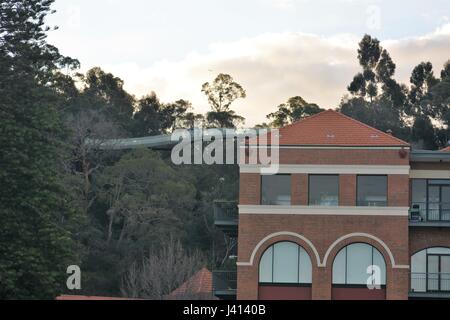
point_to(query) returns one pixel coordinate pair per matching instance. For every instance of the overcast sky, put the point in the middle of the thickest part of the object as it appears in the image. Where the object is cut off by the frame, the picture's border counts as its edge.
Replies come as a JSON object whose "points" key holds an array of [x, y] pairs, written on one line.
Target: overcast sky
{"points": [[274, 48]]}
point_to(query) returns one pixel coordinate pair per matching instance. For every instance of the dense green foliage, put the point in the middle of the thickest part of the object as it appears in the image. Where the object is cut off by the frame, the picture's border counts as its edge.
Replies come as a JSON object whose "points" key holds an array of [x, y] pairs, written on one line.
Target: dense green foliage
{"points": [[418, 114], [35, 246], [293, 110]]}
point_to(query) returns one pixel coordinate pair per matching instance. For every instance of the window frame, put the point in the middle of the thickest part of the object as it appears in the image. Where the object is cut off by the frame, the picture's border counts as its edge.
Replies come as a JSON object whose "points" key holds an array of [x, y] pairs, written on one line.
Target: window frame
{"points": [[285, 284], [352, 285], [261, 188], [427, 204], [324, 175], [372, 175]]}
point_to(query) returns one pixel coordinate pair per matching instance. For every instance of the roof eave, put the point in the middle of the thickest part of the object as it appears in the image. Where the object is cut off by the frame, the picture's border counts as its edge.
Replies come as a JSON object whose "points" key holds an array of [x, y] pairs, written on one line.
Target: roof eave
{"points": [[429, 156]]}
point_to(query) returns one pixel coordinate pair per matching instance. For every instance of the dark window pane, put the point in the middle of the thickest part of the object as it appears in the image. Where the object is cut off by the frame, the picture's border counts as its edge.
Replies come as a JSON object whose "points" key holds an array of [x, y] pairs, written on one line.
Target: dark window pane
{"points": [[352, 263], [419, 195], [433, 203], [276, 190], [285, 262], [445, 205], [419, 190], [324, 190], [372, 191], [440, 182]]}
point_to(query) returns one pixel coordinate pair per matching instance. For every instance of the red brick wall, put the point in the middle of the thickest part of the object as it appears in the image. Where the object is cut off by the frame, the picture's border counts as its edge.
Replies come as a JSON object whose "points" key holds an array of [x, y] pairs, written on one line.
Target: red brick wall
{"points": [[347, 190], [342, 156], [323, 231], [358, 294], [284, 293], [398, 190], [249, 188], [427, 237], [430, 166], [398, 185], [299, 189]]}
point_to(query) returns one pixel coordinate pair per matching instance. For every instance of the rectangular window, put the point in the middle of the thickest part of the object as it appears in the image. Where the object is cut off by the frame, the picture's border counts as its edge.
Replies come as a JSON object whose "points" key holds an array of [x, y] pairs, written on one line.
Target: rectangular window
{"points": [[285, 262], [276, 190], [324, 190], [266, 266], [431, 198], [419, 196], [372, 191], [419, 191], [359, 257]]}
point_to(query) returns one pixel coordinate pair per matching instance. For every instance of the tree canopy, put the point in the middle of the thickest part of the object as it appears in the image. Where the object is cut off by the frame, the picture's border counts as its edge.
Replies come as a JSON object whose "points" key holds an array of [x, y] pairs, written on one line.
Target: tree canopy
{"points": [[221, 93], [115, 213], [294, 109]]}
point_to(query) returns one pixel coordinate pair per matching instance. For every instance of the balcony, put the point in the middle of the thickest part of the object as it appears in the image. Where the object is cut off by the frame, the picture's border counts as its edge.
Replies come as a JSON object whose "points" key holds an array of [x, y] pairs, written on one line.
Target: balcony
{"points": [[226, 217], [225, 284], [430, 285], [429, 214], [372, 203]]}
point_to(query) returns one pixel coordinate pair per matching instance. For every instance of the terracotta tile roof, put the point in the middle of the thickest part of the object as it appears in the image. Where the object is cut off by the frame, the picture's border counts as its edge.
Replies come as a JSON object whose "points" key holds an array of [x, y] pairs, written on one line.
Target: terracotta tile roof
{"points": [[332, 128], [447, 149], [70, 297], [198, 284]]}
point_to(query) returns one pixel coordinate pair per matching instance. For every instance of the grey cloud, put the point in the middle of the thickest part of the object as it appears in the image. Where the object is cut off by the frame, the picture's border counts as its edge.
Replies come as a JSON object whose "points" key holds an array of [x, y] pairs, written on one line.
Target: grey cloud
{"points": [[274, 67]]}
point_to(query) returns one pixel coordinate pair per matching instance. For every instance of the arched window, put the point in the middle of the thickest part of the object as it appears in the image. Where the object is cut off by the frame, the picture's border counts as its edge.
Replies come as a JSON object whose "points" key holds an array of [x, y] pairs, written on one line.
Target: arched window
{"points": [[350, 267], [285, 262], [430, 270]]}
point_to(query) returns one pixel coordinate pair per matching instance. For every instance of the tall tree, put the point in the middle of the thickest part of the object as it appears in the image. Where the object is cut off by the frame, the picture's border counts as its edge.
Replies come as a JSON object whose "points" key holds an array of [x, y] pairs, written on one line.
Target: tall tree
{"points": [[422, 80], [376, 77], [294, 109], [34, 248], [445, 73], [376, 97], [221, 93], [420, 107], [147, 120], [440, 94], [154, 117], [104, 93]]}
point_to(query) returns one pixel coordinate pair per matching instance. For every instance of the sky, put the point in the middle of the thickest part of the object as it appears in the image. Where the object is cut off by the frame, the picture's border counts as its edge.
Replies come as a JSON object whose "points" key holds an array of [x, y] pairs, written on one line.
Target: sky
{"points": [[275, 49]]}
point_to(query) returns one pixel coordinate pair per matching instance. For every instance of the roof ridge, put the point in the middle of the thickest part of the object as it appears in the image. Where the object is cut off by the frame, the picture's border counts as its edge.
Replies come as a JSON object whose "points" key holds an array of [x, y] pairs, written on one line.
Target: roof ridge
{"points": [[305, 119], [350, 131], [370, 127]]}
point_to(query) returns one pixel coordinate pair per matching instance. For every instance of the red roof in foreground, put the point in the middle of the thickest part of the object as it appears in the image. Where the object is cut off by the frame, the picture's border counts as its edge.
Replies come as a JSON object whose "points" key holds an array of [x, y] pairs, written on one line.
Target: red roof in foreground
{"points": [[198, 284], [445, 149], [70, 297], [332, 128]]}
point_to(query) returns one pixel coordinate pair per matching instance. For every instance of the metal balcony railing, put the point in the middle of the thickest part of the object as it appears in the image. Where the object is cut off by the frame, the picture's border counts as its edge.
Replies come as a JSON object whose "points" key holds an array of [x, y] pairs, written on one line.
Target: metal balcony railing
{"points": [[430, 211], [371, 203], [224, 283], [226, 212], [430, 282]]}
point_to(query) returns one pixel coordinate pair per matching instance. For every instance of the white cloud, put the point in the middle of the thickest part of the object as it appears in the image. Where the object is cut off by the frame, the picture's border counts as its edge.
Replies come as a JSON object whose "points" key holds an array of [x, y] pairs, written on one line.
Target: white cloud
{"points": [[274, 67]]}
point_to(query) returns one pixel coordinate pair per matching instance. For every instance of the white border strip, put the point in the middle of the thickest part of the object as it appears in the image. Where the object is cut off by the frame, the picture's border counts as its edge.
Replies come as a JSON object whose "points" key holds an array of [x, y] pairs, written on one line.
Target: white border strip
{"points": [[325, 147], [365, 235], [322, 264], [276, 234], [330, 169], [429, 174], [323, 210]]}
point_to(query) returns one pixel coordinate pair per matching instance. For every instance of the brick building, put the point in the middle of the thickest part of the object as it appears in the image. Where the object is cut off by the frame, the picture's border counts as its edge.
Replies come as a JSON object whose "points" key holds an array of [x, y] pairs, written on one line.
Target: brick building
{"points": [[352, 214]]}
